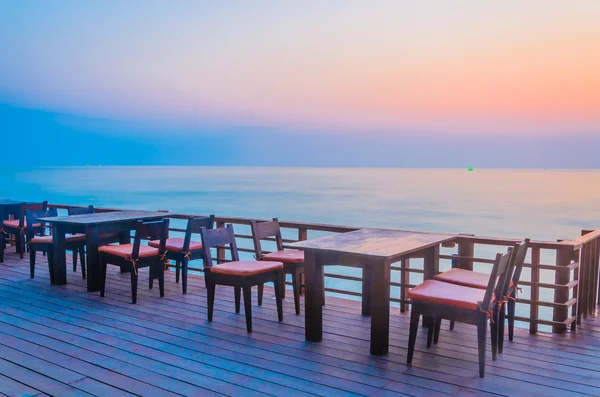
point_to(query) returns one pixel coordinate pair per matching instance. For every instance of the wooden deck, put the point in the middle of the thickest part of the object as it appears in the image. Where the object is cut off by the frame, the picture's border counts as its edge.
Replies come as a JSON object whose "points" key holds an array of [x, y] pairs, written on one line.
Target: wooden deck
{"points": [[65, 341]]}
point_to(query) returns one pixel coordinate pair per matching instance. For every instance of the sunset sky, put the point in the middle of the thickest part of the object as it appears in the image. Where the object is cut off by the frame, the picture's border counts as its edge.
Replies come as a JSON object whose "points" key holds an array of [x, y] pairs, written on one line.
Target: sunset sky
{"points": [[343, 74]]}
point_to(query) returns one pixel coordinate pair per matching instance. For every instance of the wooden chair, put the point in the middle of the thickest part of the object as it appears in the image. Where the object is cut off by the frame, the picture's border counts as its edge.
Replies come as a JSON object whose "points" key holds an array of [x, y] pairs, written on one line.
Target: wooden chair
{"points": [[18, 227], [38, 241], [105, 238], [183, 250], [133, 257], [473, 279], [437, 300], [293, 260], [2, 235], [241, 275]]}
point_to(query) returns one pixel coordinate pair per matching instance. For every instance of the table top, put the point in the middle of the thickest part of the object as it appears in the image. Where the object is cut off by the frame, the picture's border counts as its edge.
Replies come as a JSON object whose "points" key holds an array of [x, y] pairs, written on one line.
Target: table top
{"points": [[106, 217], [378, 243]]}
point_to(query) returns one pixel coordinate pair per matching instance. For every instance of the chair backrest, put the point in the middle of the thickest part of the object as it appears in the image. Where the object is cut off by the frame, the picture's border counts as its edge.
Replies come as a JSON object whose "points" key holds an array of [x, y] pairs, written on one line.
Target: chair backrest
{"points": [[500, 273], [156, 230], [194, 226], [43, 206], [81, 210], [218, 237], [520, 255], [262, 230], [32, 219]]}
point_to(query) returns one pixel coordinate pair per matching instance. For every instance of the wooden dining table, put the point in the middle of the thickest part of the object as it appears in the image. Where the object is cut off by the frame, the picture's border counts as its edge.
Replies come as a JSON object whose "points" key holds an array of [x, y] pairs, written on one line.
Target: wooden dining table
{"points": [[93, 226], [374, 251]]}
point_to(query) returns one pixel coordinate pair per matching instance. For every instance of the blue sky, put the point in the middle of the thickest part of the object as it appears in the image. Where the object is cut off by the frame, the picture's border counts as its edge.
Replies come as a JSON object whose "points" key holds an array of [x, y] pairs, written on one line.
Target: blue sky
{"points": [[435, 83]]}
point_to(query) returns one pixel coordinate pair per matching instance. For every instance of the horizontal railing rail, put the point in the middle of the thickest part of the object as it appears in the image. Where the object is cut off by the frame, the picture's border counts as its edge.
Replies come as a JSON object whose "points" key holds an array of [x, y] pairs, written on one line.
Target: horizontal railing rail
{"points": [[569, 287]]}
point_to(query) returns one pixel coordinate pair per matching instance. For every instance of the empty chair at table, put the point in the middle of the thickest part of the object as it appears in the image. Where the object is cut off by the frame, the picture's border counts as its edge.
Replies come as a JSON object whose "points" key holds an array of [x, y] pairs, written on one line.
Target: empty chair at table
{"points": [[293, 260], [479, 280], [440, 300], [18, 226], [133, 257], [241, 275], [39, 241], [185, 249], [105, 238]]}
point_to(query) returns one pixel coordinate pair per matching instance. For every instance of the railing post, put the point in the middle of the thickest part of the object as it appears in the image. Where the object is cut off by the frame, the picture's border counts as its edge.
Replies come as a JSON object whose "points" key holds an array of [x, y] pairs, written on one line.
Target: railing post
{"points": [[220, 250], [465, 249], [404, 279], [534, 295], [561, 295]]}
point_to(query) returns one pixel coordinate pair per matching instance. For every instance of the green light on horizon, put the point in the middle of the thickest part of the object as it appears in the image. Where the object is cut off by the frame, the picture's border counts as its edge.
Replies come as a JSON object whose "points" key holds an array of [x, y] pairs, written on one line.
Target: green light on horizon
{"points": [[470, 168]]}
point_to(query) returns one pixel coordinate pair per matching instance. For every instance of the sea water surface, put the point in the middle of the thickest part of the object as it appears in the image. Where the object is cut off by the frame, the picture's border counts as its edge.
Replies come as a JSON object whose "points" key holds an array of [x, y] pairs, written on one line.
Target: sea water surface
{"points": [[540, 204]]}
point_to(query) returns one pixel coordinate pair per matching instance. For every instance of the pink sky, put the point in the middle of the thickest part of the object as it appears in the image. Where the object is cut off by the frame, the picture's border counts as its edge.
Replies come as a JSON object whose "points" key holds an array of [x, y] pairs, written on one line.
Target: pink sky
{"points": [[341, 66]]}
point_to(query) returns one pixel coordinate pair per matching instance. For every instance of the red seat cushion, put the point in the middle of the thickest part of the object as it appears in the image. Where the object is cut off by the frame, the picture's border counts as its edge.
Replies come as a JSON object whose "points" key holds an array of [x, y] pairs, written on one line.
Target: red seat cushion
{"points": [[125, 250], [48, 239], [14, 223], [176, 244], [466, 278], [245, 268], [439, 292], [285, 256]]}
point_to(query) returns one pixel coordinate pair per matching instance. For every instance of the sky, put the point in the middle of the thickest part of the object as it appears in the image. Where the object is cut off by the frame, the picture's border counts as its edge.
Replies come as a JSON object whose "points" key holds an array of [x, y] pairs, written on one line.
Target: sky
{"points": [[444, 83]]}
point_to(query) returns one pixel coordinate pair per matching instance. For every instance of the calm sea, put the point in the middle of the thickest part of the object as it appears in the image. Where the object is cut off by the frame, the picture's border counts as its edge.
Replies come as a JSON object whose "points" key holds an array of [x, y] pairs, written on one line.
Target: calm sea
{"points": [[540, 204]]}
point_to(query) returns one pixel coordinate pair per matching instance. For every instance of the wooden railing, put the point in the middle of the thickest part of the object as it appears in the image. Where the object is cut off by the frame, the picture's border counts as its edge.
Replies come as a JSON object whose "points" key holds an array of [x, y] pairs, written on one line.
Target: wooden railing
{"points": [[558, 294]]}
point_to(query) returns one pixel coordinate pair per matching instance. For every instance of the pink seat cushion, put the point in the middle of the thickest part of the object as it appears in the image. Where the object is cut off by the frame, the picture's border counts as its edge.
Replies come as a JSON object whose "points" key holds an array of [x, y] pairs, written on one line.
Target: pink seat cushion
{"points": [[465, 278], [126, 250], [14, 223], [48, 239], [176, 244], [285, 256], [442, 293], [245, 268]]}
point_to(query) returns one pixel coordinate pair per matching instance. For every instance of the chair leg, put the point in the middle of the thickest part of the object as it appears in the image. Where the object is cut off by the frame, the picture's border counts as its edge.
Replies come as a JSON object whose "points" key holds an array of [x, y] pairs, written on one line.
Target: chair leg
{"points": [[451, 325], [151, 273], [412, 336], [238, 294], [21, 244], [436, 330], [102, 263], [430, 328], [184, 275], [296, 288], [32, 263], [261, 290], [134, 283], [160, 270], [75, 259], [511, 319], [210, 290], [82, 261], [279, 283], [500, 332], [481, 343], [248, 307], [177, 264], [494, 335]]}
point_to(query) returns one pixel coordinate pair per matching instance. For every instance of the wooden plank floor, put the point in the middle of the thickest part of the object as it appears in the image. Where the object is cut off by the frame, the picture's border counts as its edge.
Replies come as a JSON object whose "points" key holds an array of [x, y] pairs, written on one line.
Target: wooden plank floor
{"points": [[62, 340]]}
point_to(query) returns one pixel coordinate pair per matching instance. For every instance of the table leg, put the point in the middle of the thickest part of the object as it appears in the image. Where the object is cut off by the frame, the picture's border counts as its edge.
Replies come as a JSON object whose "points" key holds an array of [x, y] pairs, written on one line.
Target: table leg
{"points": [[94, 274], [380, 307], [366, 291], [431, 262], [313, 316], [59, 256]]}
